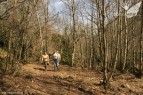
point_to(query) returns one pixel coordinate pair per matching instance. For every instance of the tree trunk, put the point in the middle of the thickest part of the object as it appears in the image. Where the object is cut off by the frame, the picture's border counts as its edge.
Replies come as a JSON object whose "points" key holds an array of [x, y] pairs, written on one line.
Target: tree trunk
{"points": [[117, 45], [40, 30], [92, 36], [99, 32], [121, 46], [9, 57], [126, 43], [141, 40], [133, 37], [105, 77], [73, 32], [46, 13]]}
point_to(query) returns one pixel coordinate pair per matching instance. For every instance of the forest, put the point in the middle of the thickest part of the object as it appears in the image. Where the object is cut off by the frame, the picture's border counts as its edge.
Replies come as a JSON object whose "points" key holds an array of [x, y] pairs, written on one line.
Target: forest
{"points": [[100, 43]]}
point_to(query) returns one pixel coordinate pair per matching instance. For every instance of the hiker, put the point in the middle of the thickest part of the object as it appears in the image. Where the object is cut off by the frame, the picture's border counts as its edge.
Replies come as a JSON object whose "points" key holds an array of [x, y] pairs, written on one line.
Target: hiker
{"points": [[59, 57], [55, 61], [45, 60]]}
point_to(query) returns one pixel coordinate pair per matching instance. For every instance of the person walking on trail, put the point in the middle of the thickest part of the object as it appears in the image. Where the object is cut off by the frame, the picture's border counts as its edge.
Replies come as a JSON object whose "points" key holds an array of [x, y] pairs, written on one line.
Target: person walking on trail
{"points": [[59, 57], [55, 60], [45, 60]]}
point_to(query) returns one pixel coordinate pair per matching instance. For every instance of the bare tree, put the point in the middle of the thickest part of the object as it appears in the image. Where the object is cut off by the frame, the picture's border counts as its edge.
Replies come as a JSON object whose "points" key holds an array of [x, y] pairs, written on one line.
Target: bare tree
{"points": [[117, 42], [105, 76], [141, 40], [126, 42]]}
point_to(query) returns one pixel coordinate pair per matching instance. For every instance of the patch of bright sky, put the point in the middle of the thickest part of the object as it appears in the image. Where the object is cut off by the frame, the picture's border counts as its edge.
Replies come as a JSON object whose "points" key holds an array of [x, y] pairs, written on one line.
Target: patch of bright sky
{"points": [[57, 5]]}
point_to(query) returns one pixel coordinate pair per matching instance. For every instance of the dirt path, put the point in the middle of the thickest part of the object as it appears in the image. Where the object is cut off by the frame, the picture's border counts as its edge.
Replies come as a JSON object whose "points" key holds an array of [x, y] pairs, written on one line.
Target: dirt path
{"points": [[33, 80]]}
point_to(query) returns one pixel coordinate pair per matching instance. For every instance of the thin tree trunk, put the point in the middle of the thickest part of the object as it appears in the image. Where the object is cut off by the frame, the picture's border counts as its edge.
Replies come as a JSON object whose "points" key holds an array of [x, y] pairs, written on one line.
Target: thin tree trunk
{"points": [[99, 32], [141, 40], [117, 45], [46, 13], [81, 54], [133, 37], [105, 77], [126, 43], [8, 60], [40, 30], [120, 41], [74, 30], [111, 44], [92, 37]]}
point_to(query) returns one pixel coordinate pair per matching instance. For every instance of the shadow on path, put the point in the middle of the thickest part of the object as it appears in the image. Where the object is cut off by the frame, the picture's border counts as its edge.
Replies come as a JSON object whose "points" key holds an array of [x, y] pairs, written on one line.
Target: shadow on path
{"points": [[41, 69]]}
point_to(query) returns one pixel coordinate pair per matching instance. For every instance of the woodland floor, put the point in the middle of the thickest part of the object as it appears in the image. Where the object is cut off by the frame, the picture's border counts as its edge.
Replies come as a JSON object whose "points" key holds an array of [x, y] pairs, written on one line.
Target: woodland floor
{"points": [[33, 80]]}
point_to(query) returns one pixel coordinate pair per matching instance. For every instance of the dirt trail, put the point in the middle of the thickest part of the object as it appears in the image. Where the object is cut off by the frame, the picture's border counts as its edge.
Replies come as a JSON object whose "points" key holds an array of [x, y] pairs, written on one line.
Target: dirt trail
{"points": [[33, 80]]}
